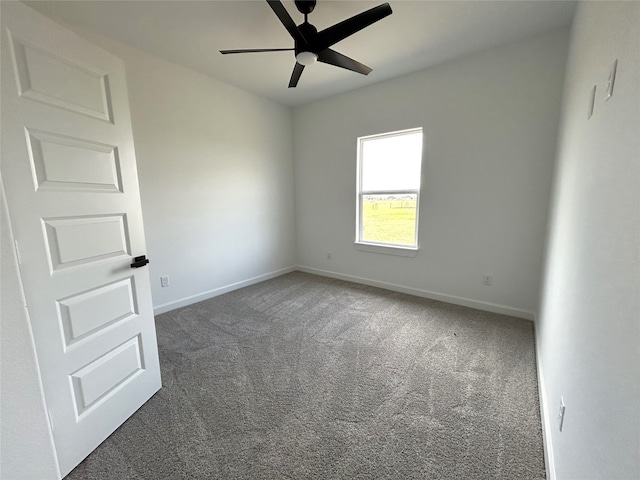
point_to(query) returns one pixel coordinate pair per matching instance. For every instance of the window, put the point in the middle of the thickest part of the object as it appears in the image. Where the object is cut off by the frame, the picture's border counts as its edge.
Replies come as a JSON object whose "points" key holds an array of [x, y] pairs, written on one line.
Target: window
{"points": [[389, 189]]}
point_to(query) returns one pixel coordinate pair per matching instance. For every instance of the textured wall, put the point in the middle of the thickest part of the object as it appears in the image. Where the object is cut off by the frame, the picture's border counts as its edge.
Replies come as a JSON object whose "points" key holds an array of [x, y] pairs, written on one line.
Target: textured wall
{"points": [[490, 124], [216, 180], [216, 177], [589, 328], [24, 428]]}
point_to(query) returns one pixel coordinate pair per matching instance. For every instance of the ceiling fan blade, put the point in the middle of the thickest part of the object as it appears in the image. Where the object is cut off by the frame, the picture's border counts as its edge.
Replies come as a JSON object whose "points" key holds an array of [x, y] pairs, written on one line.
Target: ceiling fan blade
{"points": [[339, 60], [348, 27], [295, 76], [256, 50], [287, 21]]}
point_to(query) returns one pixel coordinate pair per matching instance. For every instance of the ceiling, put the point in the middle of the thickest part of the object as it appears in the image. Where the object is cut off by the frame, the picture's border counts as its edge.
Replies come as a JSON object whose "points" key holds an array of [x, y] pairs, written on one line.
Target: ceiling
{"points": [[418, 34]]}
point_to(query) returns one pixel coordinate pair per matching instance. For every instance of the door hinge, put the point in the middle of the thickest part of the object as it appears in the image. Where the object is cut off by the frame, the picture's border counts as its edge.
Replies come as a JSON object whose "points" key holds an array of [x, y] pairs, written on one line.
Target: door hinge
{"points": [[49, 418], [17, 252]]}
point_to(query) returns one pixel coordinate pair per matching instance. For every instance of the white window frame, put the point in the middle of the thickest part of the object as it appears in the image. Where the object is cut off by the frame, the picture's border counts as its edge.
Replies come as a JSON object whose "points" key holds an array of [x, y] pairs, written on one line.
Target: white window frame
{"points": [[380, 247]]}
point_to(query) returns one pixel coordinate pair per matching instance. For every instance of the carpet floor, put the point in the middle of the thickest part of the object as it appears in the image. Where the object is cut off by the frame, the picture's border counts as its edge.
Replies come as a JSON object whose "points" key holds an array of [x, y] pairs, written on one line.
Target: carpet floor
{"points": [[305, 377]]}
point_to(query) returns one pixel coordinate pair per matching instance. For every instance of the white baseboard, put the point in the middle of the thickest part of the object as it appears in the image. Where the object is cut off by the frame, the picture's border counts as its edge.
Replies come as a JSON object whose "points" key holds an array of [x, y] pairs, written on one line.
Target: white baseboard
{"points": [[465, 302], [545, 415], [183, 302]]}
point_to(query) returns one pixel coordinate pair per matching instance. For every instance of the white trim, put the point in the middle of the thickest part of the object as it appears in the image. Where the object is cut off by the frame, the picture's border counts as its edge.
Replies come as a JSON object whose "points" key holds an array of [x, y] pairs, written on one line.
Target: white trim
{"points": [[397, 133], [183, 302], [544, 413], [407, 191], [465, 302], [360, 192], [386, 249]]}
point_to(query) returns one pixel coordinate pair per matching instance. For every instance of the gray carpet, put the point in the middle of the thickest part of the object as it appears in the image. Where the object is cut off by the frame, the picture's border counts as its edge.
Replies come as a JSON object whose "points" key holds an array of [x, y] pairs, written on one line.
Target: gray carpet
{"points": [[304, 377]]}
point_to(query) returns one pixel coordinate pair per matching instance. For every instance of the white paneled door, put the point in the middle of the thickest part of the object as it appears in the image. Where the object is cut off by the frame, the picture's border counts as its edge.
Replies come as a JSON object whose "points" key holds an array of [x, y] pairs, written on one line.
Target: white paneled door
{"points": [[68, 169]]}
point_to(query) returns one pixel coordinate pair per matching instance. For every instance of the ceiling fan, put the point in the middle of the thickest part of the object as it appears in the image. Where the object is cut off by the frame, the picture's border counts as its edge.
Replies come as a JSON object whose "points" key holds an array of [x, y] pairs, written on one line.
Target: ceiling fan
{"points": [[311, 45]]}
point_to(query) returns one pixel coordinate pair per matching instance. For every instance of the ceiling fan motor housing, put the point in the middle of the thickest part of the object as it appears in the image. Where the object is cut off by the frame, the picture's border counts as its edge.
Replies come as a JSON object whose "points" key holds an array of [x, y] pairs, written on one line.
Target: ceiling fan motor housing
{"points": [[305, 6], [309, 33]]}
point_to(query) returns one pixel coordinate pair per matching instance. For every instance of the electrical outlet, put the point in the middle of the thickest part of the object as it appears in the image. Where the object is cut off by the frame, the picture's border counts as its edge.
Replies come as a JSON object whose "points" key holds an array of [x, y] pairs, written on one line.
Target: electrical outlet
{"points": [[487, 280], [561, 414], [164, 281]]}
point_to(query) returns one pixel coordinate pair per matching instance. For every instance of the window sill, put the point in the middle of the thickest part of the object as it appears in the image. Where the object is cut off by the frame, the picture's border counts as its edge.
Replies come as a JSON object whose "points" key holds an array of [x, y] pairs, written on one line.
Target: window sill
{"points": [[386, 249]]}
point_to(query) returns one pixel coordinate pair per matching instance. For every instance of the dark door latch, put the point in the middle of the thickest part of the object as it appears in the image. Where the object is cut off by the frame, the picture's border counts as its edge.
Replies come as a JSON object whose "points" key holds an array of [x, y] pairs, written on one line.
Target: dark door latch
{"points": [[139, 261]]}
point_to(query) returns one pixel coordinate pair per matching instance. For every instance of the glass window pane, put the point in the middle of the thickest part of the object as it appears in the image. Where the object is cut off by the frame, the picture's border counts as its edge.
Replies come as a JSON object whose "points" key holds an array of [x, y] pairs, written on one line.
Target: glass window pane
{"points": [[389, 218], [391, 163]]}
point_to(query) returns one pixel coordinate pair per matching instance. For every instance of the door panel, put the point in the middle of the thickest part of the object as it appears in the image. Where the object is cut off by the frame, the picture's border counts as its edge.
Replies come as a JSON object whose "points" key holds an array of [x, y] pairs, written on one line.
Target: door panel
{"points": [[59, 80], [89, 312], [65, 163], [79, 241], [102, 377], [68, 169]]}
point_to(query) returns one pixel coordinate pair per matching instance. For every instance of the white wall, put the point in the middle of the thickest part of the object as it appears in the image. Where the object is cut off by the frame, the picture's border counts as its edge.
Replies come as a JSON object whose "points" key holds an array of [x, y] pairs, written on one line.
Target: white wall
{"points": [[216, 178], [490, 124], [24, 428], [588, 333]]}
